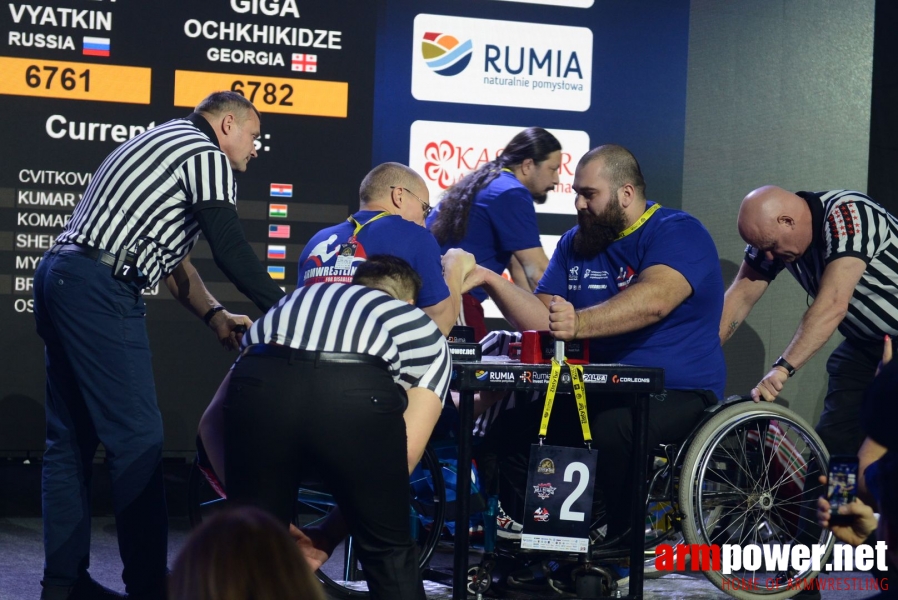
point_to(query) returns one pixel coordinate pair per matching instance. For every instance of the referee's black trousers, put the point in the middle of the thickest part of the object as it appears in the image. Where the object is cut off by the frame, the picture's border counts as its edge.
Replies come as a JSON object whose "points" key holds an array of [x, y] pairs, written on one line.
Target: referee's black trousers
{"points": [[851, 368], [285, 418]]}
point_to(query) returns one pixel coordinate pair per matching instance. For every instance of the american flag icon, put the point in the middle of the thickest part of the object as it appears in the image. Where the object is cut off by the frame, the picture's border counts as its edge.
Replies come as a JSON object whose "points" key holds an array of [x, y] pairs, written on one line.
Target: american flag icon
{"points": [[307, 63]]}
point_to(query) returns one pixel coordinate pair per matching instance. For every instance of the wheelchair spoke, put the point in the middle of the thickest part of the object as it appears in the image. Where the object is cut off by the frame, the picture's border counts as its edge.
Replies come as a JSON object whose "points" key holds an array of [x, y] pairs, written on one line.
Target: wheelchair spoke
{"points": [[731, 459], [742, 442], [747, 479], [742, 527], [740, 463], [799, 515], [711, 494], [777, 442], [736, 509], [779, 528]]}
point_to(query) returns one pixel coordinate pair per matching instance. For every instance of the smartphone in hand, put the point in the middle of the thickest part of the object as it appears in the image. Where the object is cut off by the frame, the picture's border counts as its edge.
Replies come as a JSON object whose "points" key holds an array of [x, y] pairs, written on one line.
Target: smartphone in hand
{"points": [[842, 480]]}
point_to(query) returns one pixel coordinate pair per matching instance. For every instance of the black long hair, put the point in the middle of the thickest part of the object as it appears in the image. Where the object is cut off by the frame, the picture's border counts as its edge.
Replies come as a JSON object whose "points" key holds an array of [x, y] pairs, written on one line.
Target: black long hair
{"points": [[451, 222]]}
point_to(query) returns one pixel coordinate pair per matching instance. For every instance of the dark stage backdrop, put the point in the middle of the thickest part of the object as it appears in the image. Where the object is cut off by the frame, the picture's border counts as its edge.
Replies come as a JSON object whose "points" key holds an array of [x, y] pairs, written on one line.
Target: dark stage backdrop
{"points": [[456, 81], [714, 97], [77, 78], [342, 85]]}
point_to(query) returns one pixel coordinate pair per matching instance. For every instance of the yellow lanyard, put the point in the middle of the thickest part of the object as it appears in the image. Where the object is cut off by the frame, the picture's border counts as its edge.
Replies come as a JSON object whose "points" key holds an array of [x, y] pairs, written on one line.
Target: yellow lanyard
{"points": [[639, 223], [579, 395], [359, 226]]}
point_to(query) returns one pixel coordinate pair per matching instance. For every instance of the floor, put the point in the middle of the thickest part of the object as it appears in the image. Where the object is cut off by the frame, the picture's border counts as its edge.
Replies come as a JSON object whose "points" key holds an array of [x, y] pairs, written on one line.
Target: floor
{"points": [[21, 557], [21, 549]]}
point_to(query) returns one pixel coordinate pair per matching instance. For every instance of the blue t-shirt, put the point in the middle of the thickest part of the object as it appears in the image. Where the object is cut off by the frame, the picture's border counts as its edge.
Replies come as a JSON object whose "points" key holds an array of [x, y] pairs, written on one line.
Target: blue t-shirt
{"points": [[502, 221], [686, 344], [321, 262]]}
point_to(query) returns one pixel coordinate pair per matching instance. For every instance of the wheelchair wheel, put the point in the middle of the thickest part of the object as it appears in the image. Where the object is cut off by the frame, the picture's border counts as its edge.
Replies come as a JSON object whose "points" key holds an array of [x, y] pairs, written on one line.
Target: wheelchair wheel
{"points": [[342, 574], [749, 477]]}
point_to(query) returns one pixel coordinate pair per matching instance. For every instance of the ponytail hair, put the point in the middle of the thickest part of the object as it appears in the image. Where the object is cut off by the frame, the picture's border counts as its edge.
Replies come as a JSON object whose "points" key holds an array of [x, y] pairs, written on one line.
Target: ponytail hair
{"points": [[451, 223]]}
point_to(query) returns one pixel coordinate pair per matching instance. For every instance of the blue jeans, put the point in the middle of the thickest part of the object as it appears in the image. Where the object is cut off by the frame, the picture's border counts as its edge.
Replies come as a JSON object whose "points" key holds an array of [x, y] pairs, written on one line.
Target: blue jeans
{"points": [[99, 390]]}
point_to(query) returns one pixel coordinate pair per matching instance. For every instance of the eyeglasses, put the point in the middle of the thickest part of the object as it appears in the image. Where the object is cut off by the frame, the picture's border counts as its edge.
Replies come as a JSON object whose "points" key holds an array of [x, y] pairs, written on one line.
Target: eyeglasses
{"points": [[424, 206]]}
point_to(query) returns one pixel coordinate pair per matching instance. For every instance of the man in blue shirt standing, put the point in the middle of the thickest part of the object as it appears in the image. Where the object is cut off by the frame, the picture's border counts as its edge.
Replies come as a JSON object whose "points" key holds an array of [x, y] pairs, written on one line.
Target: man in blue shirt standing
{"points": [[490, 214], [643, 284]]}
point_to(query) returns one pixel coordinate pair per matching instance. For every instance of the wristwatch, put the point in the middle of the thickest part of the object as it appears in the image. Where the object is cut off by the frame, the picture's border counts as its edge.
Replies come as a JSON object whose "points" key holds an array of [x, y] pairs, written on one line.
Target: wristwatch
{"points": [[207, 318], [782, 362]]}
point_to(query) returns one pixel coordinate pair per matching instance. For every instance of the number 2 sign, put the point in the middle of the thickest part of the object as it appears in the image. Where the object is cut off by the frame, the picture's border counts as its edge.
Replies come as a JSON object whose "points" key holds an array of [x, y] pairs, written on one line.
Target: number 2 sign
{"points": [[558, 501]]}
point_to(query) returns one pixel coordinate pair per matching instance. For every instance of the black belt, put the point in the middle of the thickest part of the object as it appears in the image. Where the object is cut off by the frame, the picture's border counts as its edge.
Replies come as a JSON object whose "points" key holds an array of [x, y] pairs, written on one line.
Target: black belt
{"points": [[102, 256], [316, 356], [93, 253]]}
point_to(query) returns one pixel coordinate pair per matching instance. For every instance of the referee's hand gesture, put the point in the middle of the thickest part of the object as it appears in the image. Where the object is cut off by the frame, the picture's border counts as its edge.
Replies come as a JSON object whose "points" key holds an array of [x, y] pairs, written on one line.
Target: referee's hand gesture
{"points": [[224, 323]]}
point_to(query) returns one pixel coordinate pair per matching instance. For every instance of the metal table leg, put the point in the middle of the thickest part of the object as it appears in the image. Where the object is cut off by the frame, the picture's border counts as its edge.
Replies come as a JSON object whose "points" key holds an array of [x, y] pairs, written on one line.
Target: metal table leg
{"points": [[463, 496], [639, 492]]}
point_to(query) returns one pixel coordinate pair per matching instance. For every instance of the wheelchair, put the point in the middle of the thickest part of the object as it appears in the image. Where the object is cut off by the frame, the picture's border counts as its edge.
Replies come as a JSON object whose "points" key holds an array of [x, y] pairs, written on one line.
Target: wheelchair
{"points": [[746, 474], [342, 574]]}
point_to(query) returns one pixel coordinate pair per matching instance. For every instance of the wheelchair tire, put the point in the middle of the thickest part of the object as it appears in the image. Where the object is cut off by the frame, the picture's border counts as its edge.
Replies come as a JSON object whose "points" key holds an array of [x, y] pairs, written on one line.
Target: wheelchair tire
{"points": [[312, 505], [752, 461]]}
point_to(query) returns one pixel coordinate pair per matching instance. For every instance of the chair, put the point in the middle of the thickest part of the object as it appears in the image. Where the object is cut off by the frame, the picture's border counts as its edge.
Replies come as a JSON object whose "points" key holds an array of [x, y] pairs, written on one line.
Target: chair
{"points": [[746, 474]]}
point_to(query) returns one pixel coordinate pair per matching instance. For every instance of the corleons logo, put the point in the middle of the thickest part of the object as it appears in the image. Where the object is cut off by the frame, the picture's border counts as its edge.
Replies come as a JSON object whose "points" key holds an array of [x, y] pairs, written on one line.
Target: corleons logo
{"points": [[445, 54], [616, 379]]}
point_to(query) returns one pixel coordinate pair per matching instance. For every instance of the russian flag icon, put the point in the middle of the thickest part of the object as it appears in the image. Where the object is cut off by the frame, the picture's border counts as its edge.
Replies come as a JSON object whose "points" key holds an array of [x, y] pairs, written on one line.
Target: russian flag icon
{"points": [[95, 46]]}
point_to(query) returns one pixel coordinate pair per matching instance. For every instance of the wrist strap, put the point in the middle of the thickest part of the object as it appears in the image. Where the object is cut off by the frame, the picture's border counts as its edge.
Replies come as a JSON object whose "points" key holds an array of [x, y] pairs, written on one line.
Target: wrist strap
{"points": [[207, 318]]}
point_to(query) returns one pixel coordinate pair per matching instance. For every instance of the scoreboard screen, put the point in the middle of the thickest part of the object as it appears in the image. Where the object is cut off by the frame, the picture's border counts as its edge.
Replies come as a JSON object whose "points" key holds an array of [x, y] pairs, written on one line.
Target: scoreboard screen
{"points": [[79, 77]]}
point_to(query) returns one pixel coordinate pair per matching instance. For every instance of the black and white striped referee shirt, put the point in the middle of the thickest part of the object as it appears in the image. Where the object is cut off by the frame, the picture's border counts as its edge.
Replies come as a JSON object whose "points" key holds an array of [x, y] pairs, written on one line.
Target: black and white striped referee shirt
{"points": [[144, 195], [848, 224], [339, 317]]}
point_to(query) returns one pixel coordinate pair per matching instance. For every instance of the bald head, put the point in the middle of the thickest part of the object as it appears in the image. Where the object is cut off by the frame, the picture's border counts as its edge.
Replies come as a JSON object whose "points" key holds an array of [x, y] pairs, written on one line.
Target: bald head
{"points": [[777, 222], [397, 189], [377, 183], [620, 167]]}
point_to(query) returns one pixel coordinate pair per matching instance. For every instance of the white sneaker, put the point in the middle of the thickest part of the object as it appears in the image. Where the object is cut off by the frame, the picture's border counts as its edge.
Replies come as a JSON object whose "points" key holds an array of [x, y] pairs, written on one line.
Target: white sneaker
{"points": [[506, 527]]}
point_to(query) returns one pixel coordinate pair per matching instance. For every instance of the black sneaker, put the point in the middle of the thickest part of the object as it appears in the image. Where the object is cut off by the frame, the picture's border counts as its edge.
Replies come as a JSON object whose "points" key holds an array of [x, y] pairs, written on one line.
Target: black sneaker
{"points": [[532, 578], [84, 589], [535, 577], [88, 589]]}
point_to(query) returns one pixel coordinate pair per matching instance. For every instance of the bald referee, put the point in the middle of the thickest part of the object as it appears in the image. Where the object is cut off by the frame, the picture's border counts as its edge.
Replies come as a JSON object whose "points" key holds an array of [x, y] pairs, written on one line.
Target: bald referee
{"points": [[134, 227], [324, 381]]}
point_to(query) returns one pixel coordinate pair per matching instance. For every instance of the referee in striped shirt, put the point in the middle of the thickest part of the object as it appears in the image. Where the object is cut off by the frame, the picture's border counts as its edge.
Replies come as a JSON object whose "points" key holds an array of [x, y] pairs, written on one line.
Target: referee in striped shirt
{"points": [[842, 248], [135, 225], [330, 381]]}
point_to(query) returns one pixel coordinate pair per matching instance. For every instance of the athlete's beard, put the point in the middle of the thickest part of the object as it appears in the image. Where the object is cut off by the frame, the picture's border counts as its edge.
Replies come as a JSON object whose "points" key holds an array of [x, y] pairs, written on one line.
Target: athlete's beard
{"points": [[540, 198], [597, 232]]}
